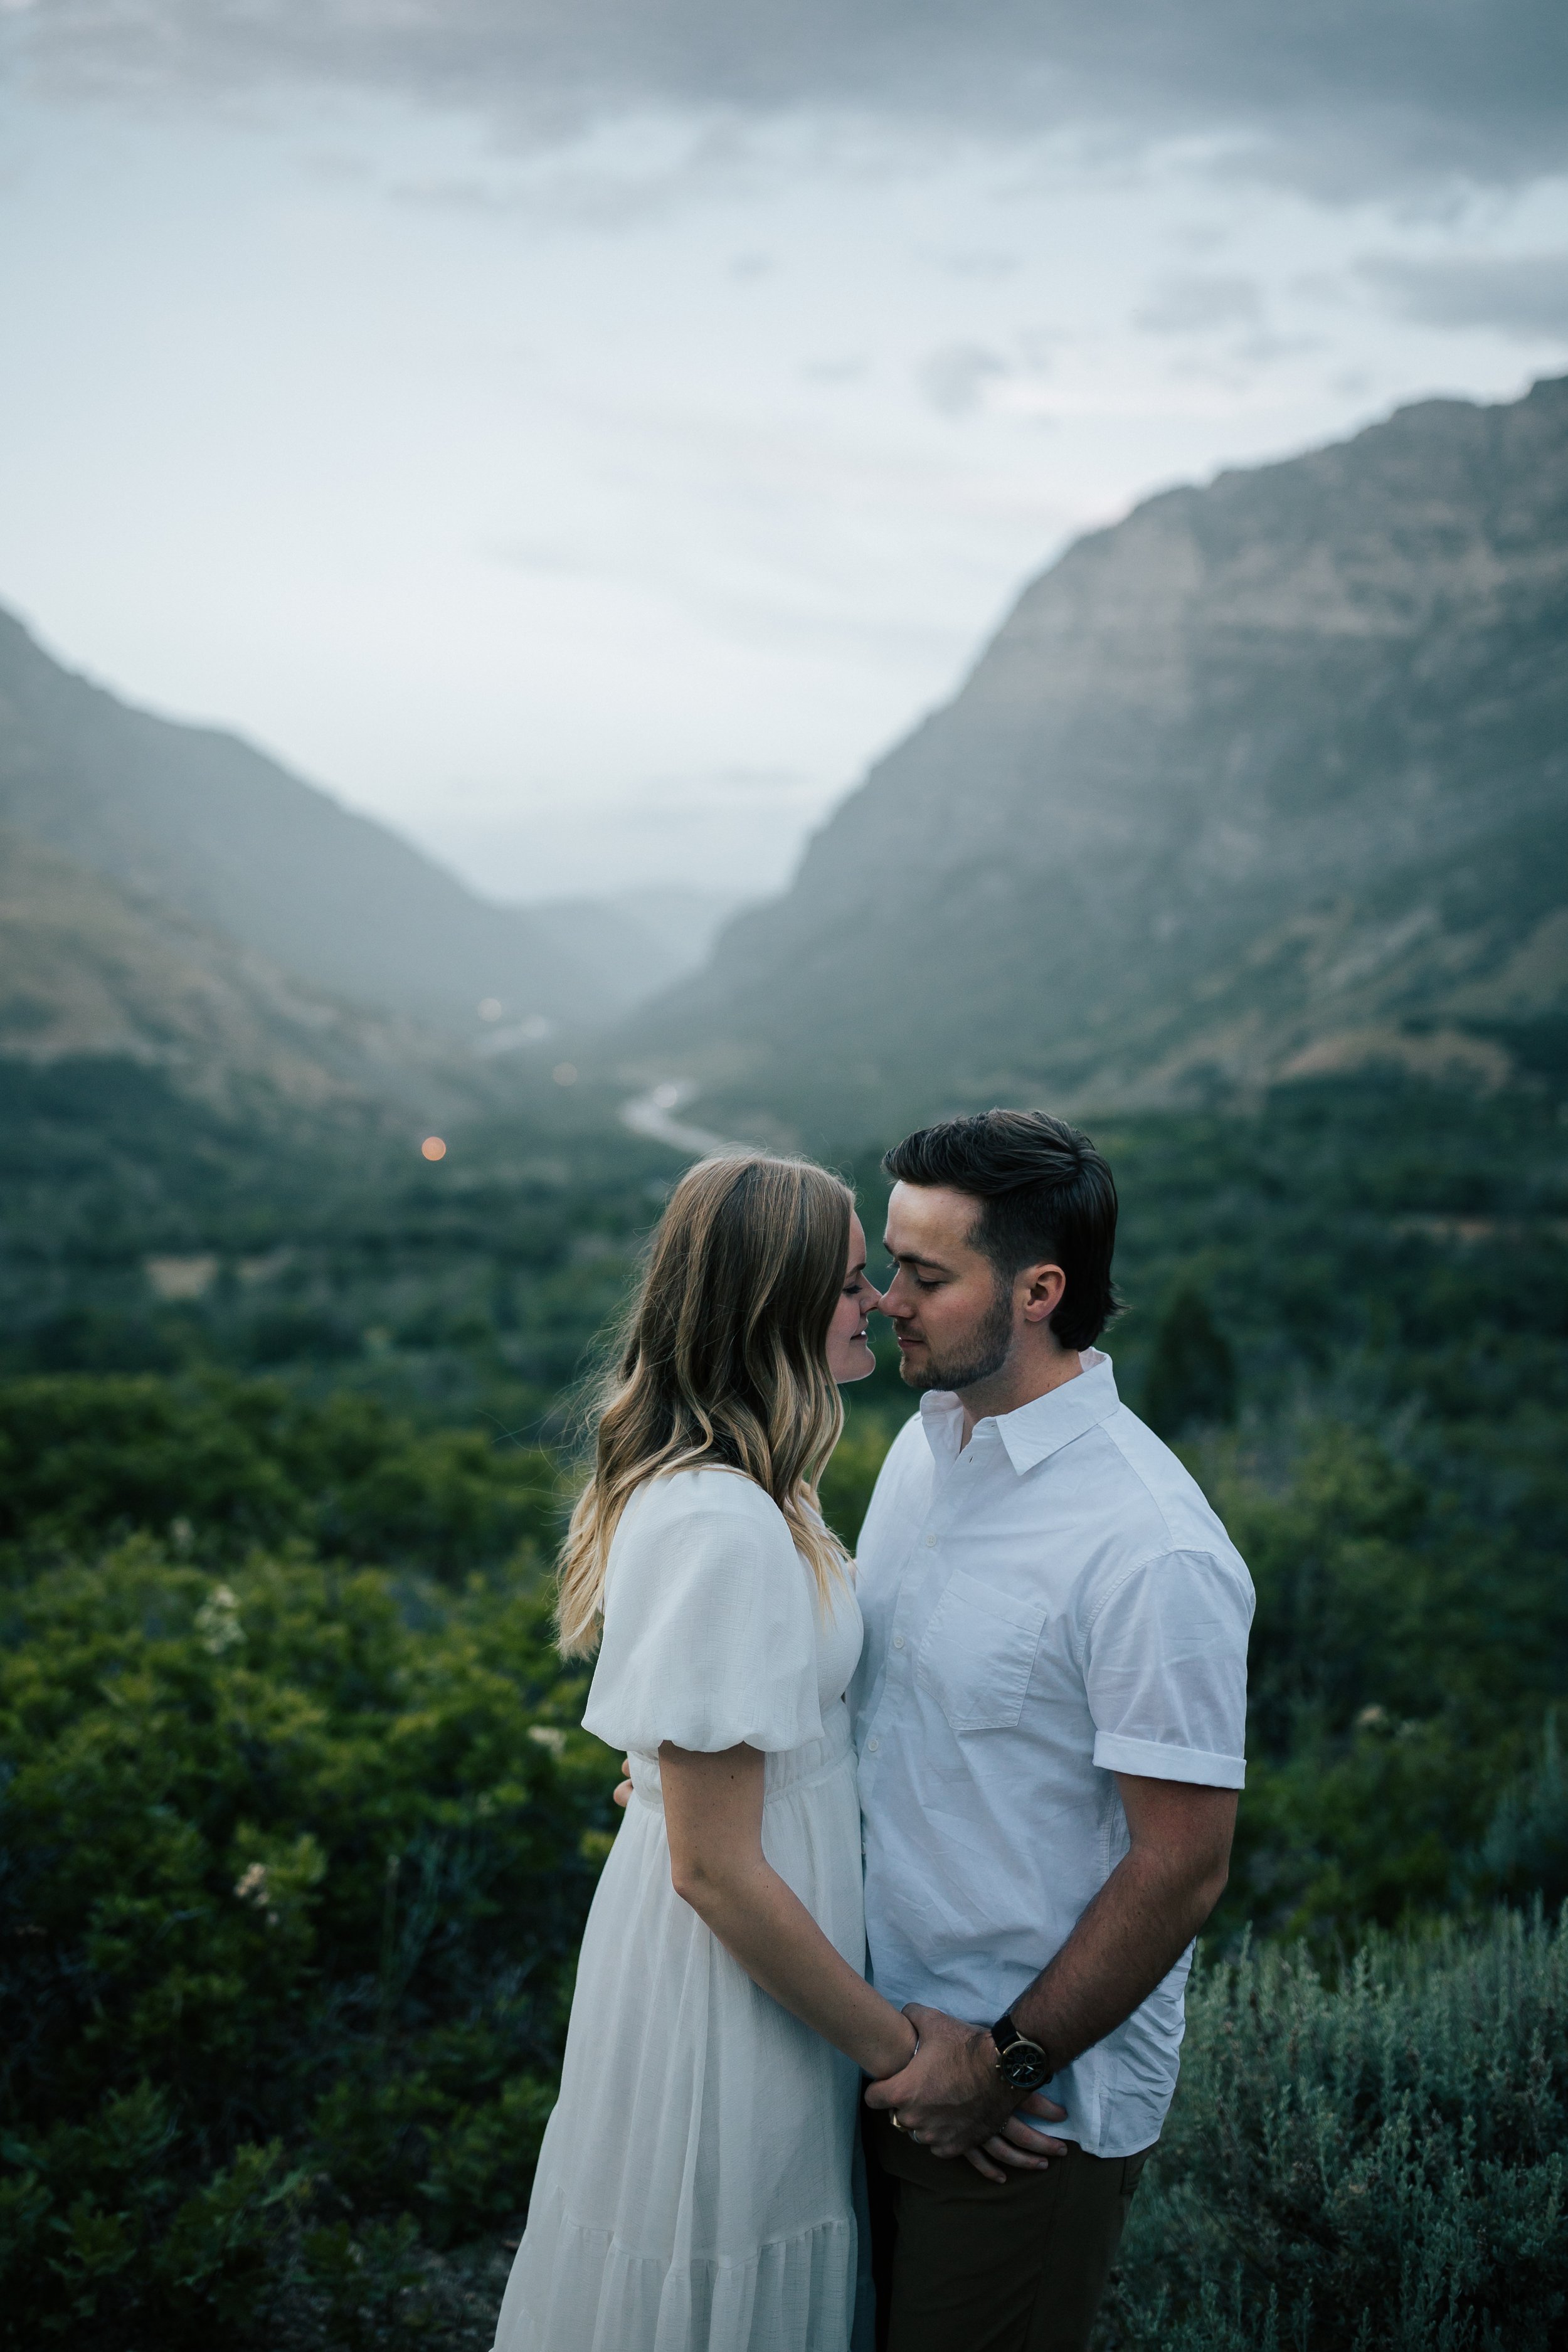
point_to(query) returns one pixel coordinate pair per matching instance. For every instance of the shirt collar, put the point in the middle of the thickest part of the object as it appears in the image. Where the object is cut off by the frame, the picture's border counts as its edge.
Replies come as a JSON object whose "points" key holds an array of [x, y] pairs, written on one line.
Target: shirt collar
{"points": [[1037, 1429]]}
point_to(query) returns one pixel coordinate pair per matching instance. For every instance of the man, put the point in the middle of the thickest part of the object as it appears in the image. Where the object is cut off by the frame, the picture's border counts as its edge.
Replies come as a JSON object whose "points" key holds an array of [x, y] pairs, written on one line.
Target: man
{"points": [[1049, 1720]]}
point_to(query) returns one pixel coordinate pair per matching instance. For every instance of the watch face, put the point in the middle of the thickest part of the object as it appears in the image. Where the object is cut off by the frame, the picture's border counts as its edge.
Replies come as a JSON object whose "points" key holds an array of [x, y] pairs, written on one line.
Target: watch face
{"points": [[1025, 2066]]}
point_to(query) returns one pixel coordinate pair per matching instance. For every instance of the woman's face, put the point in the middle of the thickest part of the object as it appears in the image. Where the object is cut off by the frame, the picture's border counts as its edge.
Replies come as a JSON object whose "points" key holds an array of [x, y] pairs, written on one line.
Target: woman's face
{"points": [[849, 1357]]}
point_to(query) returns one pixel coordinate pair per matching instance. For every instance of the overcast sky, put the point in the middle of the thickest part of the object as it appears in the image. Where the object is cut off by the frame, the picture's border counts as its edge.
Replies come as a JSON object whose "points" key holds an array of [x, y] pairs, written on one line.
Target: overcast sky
{"points": [[586, 433]]}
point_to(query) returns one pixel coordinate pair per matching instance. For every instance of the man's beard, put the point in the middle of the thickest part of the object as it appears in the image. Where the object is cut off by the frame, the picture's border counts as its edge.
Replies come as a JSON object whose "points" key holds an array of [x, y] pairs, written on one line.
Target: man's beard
{"points": [[989, 1347]]}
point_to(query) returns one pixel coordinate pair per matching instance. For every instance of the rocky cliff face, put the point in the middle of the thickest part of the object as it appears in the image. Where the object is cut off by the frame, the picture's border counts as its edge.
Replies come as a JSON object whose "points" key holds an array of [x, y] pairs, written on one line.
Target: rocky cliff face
{"points": [[1270, 778]]}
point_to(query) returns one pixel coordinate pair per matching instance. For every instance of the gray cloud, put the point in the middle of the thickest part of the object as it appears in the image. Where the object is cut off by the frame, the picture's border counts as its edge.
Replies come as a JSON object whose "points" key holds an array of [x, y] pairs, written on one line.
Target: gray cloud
{"points": [[835, 371], [954, 378], [980, 262], [540, 556], [1346, 96], [1522, 295], [1196, 304]]}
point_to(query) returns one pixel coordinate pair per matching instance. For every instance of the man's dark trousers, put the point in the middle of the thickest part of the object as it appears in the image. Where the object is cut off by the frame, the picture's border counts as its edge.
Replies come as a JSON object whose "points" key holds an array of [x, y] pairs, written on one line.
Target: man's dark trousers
{"points": [[967, 2264]]}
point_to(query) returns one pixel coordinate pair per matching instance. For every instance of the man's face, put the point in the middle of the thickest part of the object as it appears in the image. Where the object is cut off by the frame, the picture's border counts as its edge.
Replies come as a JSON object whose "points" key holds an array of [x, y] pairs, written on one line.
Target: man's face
{"points": [[953, 1315]]}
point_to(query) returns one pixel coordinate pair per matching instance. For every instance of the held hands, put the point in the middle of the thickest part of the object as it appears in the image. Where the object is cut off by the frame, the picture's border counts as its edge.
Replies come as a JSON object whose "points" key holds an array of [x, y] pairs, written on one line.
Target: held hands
{"points": [[951, 2099], [949, 2096]]}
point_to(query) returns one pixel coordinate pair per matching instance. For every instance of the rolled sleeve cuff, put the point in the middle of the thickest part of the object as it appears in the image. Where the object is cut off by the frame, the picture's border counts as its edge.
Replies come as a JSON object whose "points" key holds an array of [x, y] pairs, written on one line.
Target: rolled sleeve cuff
{"points": [[1152, 1761]]}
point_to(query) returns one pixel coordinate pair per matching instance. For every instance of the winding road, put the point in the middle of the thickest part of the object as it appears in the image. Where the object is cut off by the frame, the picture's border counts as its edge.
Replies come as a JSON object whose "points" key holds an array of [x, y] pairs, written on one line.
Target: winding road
{"points": [[653, 1115]]}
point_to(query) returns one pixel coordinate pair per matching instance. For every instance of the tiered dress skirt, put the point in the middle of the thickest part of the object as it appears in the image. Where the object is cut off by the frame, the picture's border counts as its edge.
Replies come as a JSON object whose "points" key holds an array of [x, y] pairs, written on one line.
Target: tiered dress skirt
{"points": [[694, 2188]]}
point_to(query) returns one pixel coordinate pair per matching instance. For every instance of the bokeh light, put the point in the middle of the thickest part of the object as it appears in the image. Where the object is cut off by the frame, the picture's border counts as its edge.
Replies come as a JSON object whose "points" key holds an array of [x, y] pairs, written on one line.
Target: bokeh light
{"points": [[433, 1147], [564, 1074]]}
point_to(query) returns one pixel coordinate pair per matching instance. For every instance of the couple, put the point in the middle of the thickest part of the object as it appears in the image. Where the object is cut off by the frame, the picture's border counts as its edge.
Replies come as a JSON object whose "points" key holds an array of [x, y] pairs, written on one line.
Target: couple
{"points": [[997, 1759]]}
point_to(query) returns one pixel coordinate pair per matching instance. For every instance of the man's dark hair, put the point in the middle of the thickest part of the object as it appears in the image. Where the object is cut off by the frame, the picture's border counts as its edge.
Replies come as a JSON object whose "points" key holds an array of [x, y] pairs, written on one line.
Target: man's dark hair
{"points": [[1045, 1193]]}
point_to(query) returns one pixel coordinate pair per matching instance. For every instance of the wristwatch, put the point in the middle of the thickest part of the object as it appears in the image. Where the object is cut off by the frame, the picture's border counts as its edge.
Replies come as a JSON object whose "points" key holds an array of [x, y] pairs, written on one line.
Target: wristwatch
{"points": [[1023, 2064]]}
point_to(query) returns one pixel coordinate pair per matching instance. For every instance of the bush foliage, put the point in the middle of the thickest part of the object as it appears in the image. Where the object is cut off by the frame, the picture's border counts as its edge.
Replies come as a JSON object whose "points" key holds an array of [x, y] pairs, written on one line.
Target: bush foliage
{"points": [[1407, 1649], [296, 1862], [1374, 2165], [218, 1465]]}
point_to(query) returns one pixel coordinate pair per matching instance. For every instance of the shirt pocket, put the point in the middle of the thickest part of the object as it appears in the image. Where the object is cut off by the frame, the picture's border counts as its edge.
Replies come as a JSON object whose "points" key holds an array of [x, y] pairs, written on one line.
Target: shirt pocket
{"points": [[978, 1655]]}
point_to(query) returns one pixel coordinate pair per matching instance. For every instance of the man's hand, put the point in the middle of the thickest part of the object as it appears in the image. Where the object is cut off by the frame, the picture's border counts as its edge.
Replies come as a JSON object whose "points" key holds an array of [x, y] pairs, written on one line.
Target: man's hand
{"points": [[622, 1791], [951, 2099]]}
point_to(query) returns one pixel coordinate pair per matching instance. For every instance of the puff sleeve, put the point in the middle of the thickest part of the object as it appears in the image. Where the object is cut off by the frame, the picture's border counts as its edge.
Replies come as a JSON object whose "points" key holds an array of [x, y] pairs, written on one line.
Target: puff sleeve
{"points": [[709, 1633]]}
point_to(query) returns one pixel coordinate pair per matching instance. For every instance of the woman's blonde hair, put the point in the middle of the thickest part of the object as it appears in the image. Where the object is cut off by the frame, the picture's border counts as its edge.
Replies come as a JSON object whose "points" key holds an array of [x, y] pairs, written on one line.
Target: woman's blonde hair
{"points": [[724, 1362]]}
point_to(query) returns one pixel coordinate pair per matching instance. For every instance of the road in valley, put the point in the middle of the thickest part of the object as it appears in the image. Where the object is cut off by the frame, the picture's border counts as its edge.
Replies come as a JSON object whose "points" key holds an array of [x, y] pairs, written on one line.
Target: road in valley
{"points": [[653, 1115]]}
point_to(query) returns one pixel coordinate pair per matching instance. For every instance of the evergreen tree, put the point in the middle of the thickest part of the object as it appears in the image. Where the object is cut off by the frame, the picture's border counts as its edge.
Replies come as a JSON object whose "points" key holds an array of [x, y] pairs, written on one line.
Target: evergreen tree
{"points": [[1192, 1373]]}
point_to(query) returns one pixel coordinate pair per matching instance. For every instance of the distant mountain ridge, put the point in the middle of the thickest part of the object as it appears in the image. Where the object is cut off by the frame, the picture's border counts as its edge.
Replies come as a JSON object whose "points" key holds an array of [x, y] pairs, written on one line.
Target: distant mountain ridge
{"points": [[636, 941], [86, 971], [201, 822], [169, 892], [1269, 778]]}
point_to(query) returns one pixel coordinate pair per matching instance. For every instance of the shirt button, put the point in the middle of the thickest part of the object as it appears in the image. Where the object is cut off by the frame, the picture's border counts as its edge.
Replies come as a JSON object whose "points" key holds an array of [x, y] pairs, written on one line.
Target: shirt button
{"points": [[872, 1745], [931, 1543], [897, 1640]]}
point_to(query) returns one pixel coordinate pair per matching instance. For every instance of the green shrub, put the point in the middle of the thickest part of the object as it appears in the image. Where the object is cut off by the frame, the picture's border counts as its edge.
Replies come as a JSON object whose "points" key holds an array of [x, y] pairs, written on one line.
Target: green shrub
{"points": [[1406, 1650], [847, 1483], [227, 1465], [1524, 1854], [1191, 1379], [294, 1868], [96, 2221], [1376, 2167]]}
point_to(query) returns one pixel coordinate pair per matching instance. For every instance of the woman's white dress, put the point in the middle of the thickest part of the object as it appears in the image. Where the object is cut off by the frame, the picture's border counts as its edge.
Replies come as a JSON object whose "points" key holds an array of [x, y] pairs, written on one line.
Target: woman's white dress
{"points": [[694, 2186]]}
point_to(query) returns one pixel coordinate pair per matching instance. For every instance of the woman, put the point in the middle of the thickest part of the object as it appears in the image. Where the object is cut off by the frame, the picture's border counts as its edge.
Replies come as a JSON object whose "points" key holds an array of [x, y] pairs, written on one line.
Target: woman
{"points": [[693, 2193]]}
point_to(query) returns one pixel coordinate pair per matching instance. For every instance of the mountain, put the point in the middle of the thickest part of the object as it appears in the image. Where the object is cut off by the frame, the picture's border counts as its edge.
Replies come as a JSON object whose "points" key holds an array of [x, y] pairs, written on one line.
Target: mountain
{"points": [[86, 971], [636, 941], [196, 821], [1269, 779]]}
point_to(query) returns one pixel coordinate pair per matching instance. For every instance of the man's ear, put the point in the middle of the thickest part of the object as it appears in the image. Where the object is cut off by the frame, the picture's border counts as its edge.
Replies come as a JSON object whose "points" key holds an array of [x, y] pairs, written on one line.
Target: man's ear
{"points": [[1045, 1287]]}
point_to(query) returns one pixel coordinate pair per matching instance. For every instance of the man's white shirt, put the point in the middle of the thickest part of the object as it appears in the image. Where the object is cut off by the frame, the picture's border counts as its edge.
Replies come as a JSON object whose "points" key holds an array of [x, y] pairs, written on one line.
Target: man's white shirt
{"points": [[1051, 1604]]}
